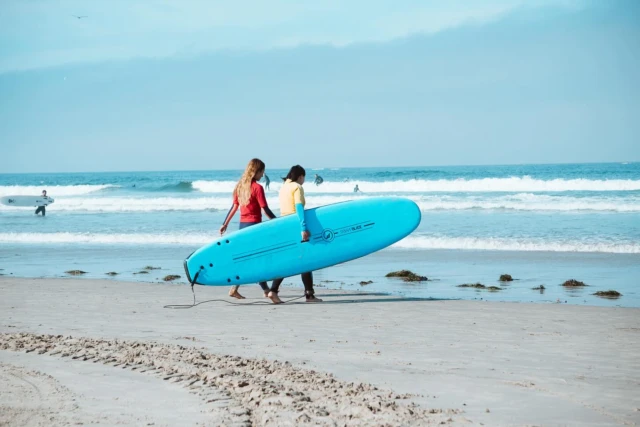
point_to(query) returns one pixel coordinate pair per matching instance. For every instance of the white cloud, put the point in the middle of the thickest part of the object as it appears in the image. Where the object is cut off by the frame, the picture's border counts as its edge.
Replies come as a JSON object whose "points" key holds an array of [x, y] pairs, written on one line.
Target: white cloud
{"points": [[37, 33]]}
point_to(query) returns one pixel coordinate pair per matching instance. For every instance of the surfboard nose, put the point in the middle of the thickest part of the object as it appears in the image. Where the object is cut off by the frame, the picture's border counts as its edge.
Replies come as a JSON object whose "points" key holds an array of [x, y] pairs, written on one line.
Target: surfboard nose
{"points": [[414, 209], [408, 211]]}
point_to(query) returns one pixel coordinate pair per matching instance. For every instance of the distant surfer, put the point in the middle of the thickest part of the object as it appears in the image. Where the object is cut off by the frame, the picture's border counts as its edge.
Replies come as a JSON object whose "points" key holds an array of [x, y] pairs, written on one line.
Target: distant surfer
{"points": [[292, 202], [318, 180], [248, 195], [356, 188], [42, 208], [267, 181]]}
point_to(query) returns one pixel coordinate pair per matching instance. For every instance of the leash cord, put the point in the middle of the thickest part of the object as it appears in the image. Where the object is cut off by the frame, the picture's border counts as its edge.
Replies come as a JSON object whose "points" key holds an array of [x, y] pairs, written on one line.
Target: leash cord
{"points": [[184, 306]]}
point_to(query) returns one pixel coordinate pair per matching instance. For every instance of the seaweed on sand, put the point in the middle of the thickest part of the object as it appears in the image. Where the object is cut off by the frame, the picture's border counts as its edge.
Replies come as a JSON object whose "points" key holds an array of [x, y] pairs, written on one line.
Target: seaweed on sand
{"points": [[608, 294], [75, 272], [572, 283], [407, 276]]}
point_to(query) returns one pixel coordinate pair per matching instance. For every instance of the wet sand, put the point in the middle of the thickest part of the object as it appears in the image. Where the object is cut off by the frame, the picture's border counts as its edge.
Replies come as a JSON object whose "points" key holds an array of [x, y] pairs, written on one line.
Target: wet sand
{"points": [[356, 359]]}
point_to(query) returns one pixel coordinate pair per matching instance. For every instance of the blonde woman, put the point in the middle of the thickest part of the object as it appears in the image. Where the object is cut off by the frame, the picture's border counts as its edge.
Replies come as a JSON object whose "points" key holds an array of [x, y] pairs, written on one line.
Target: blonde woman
{"points": [[248, 195]]}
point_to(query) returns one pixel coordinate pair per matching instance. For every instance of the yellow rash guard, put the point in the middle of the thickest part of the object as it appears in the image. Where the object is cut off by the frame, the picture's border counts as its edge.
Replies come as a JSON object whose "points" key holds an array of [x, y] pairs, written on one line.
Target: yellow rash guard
{"points": [[292, 201]]}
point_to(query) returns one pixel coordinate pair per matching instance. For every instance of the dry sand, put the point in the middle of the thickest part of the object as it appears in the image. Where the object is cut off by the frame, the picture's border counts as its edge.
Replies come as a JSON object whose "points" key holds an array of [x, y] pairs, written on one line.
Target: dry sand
{"points": [[106, 352]]}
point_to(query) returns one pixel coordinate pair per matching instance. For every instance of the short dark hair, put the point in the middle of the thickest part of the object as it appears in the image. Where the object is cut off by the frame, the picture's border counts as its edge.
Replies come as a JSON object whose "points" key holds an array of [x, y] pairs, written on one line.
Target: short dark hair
{"points": [[296, 172]]}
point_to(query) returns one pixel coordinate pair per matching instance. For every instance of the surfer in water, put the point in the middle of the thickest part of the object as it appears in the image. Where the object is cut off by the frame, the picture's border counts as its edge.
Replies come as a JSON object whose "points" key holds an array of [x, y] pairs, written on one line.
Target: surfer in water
{"points": [[248, 195], [318, 180], [356, 188], [267, 181], [42, 208], [292, 202]]}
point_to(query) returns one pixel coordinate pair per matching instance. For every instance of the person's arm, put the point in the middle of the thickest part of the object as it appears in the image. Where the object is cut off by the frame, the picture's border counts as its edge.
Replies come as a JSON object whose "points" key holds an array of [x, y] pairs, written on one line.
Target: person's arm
{"points": [[297, 200], [262, 201], [300, 212], [268, 213], [229, 217]]}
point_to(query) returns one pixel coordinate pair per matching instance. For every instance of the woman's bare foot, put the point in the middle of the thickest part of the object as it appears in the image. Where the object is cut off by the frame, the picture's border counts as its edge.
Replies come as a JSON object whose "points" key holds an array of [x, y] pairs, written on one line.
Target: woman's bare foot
{"points": [[313, 299], [235, 294], [274, 298], [266, 294]]}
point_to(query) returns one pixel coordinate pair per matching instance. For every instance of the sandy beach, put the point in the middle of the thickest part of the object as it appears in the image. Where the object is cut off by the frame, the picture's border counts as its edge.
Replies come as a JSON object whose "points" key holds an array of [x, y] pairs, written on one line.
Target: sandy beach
{"points": [[90, 351]]}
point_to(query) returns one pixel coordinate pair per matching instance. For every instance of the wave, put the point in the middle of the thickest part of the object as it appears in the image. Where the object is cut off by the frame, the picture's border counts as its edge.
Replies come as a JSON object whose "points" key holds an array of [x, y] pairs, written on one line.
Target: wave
{"points": [[214, 186], [484, 185], [516, 202], [515, 245], [530, 202], [181, 187], [134, 204], [411, 242], [52, 190], [101, 238]]}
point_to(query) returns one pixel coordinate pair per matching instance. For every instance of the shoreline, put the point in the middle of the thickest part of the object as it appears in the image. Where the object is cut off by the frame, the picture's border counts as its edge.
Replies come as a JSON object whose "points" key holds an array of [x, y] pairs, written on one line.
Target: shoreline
{"points": [[446, 269], [458, 358]]}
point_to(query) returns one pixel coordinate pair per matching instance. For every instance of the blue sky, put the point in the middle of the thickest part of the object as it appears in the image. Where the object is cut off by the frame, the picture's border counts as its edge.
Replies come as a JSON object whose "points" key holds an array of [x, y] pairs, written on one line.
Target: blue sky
{"points": [[155, 85]]}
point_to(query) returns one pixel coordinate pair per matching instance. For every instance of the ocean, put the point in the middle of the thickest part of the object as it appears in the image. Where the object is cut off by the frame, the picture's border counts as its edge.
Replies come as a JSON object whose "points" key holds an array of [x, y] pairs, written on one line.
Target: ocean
{"points": [[542, 224]]}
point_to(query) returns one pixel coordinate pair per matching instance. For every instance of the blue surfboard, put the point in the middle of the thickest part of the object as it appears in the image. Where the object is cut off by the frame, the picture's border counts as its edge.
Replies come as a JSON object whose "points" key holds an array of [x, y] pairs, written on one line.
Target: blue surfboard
{"points": [[339, 232]]}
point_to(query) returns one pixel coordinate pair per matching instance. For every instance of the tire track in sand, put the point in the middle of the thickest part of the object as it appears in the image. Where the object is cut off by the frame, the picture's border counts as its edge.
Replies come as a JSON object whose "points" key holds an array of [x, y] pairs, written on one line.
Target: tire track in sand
{"points": [[247, 391]]}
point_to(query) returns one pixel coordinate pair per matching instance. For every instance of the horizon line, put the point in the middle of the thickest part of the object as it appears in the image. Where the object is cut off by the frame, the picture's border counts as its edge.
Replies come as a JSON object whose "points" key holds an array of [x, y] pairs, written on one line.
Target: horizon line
{"points": [[332, 167]]}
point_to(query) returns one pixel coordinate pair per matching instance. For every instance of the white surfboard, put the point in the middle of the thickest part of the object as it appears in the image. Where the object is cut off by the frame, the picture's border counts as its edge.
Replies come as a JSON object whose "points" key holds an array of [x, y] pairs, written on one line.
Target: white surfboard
{"points": [[26, 201]]}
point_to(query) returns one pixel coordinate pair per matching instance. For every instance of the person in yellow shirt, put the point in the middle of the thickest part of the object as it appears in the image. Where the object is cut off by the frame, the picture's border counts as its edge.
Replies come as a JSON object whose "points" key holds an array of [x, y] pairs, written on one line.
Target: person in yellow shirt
{"points": [[292, 202]]}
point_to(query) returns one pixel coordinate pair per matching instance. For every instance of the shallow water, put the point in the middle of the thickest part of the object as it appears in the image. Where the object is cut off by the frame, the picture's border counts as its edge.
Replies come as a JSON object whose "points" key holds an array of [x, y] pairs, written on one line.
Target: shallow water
{"points": [[543, 224]]}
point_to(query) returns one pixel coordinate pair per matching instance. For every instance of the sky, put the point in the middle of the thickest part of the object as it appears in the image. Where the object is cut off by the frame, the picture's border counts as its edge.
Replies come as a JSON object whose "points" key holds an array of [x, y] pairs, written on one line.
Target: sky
{"points": [[189, 84]]}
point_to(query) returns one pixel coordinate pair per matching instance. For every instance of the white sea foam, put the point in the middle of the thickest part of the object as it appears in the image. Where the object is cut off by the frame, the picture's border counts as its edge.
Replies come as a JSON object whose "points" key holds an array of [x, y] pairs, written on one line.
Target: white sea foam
{"points": [[135, 204], [411, 242], [516, 202], [487, 185], [52, 190], [529, 202], [103, 238], [516, 245], [214, 186]]}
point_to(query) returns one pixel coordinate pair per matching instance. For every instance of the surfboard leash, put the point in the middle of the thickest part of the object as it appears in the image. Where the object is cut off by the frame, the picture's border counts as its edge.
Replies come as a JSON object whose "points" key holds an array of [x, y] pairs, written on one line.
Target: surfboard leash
{"points": [[195, 277]]}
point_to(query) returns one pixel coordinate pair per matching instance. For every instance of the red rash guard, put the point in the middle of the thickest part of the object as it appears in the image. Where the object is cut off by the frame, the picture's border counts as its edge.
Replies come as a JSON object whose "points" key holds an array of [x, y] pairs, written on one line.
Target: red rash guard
{"points": [[252, 211]]}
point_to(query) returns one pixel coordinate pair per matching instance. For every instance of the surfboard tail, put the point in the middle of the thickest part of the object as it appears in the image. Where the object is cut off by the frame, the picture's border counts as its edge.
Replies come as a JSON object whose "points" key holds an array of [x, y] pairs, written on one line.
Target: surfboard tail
{"points": [[193, 281], [186, 270]]}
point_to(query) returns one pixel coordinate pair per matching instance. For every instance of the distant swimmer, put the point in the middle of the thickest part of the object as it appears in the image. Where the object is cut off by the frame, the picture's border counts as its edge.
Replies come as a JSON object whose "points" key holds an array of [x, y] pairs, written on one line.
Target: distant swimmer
{"points": [[318, 180], [267, 181], [42, 208], [80, 16], [356, 188]]}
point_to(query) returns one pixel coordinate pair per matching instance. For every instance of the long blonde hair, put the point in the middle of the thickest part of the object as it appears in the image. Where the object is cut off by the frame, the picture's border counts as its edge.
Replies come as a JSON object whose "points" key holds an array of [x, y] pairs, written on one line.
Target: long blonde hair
{"points": [[243, 187]]}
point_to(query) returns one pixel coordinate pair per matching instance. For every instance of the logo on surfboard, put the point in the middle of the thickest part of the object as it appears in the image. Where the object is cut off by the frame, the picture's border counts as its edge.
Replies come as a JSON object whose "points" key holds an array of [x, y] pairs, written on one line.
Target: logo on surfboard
{"points": [[327, 235]]}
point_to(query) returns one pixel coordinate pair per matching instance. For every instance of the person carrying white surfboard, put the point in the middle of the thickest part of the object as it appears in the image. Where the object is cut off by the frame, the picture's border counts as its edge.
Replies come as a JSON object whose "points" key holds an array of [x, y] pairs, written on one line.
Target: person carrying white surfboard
{"points": [[292, 202], [249, 196], [42, 208]]}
